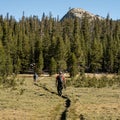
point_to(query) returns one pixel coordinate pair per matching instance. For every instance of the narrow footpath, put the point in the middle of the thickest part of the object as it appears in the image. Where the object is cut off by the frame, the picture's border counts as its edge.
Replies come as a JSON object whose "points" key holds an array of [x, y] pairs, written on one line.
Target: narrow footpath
{"points": [[67, 101]]}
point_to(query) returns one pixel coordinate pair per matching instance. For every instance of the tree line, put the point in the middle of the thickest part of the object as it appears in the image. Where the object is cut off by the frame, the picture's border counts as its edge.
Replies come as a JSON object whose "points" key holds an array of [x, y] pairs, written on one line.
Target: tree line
{"points": [[73, 45]]}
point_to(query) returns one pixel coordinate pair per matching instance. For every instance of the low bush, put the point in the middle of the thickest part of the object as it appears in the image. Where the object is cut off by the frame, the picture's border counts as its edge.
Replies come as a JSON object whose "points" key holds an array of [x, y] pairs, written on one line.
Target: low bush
{"points": [[11, 81], [104, 81]]}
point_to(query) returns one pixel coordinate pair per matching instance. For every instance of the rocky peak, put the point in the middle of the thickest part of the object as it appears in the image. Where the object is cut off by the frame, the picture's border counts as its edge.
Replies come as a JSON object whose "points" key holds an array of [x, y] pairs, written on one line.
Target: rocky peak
{"points": [[79, 12]]}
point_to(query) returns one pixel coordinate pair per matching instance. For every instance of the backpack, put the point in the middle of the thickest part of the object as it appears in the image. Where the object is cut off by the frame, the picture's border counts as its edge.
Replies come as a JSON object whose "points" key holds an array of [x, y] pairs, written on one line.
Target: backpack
{"points": [[60, 79]]}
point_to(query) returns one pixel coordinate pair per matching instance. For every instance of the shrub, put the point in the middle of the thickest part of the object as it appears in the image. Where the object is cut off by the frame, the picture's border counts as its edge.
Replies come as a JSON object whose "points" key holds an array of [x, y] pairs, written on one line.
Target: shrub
{"points": [[104, 81], [8, 81]]}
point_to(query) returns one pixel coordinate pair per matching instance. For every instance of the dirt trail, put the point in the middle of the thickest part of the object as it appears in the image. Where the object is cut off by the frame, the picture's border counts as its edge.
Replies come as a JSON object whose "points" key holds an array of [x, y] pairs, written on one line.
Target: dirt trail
{"points": [[67, 105], [67, 101]]}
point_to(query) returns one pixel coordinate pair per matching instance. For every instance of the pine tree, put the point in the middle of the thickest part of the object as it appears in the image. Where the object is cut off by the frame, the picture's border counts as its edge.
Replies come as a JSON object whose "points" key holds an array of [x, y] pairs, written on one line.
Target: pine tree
{"points": [[78, 46], [2, 60], [116, 47], [73, 67], [6, 40], [25, 53], [52, 48], [40, 64], [53, 66], [96, 54], [86, 35], [67, 47], [60, 55]]}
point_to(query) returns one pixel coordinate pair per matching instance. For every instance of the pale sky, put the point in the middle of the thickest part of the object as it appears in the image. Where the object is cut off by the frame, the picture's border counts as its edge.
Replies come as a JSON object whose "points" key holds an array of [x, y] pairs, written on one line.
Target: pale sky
{"points": [[58, 7]]}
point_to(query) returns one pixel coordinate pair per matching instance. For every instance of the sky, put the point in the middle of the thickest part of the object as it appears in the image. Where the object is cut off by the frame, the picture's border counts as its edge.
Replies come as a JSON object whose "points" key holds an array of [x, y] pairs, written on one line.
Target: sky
{"points": [[58, 7]]}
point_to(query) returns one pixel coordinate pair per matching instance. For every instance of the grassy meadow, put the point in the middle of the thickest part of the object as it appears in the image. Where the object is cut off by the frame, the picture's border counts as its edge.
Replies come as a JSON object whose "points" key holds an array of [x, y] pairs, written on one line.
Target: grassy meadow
{"points": [[39, 101]]}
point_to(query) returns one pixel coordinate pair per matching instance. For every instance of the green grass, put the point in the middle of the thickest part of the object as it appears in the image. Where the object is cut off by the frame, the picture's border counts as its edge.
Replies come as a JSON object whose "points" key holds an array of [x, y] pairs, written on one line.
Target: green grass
{"points": [[29, 101]]}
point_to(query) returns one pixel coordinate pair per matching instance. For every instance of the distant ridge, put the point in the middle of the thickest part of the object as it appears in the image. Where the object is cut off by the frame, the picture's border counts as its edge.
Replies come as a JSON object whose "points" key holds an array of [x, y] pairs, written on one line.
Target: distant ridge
{"points": [[79, 12]]}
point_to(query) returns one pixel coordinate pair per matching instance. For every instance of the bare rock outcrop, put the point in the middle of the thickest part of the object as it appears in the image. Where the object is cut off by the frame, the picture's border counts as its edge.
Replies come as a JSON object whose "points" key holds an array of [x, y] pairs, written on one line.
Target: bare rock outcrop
{"points": [[79, 12]]}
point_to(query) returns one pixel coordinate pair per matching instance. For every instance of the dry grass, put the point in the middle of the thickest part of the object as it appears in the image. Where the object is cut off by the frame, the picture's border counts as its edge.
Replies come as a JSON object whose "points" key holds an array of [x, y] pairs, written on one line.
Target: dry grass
{"points": [[96, 104], [40, 101], [34, 103], [99, 75]]}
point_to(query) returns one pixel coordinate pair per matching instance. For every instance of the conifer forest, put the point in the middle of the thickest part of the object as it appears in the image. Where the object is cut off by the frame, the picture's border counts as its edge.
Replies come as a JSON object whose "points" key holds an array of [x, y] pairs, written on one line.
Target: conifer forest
{"points": [[50, 44]]}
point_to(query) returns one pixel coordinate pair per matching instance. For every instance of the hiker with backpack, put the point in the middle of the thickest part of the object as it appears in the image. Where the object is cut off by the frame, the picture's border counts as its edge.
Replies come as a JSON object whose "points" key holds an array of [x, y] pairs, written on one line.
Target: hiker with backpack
{"points": [[35, 77], [60, 83]]}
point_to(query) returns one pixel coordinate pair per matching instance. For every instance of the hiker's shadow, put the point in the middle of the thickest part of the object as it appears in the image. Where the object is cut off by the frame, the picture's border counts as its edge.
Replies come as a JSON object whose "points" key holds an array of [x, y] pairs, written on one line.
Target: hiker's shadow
{"points": [[45, 88], [67, 105]]}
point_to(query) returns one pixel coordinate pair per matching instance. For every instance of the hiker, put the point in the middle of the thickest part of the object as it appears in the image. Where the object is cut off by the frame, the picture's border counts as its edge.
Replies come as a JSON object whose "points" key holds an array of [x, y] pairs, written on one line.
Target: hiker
{"points": [[60, 83], [35, 77]]}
